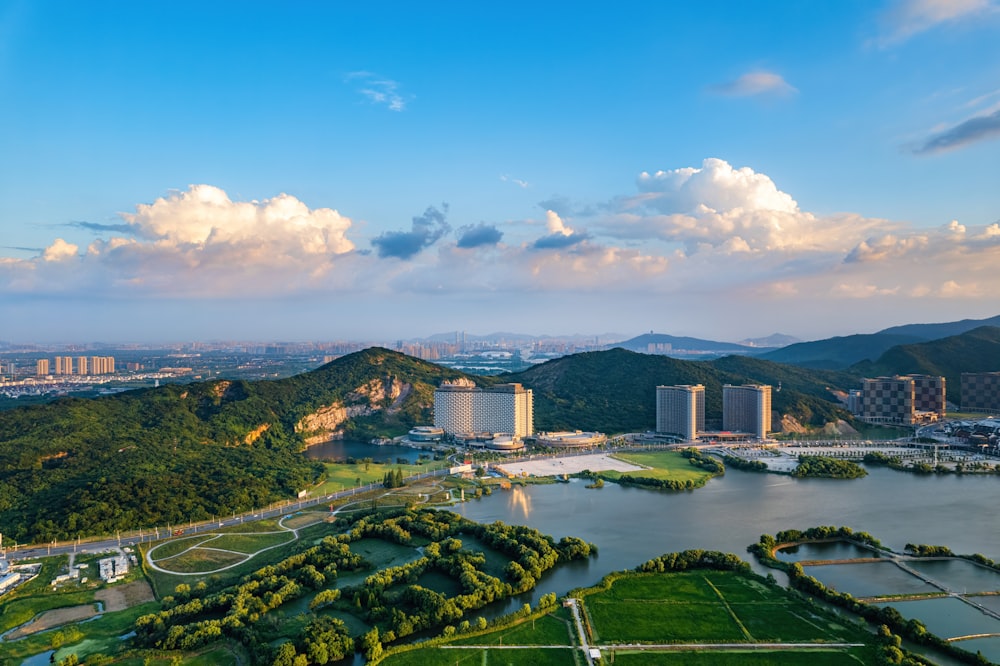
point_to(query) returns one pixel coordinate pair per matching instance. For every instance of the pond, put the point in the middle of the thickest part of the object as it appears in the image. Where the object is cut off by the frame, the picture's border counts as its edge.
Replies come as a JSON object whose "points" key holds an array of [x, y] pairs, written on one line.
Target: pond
{"points": [[831, 550], [958, 575], [873, 579], [342, 449]]}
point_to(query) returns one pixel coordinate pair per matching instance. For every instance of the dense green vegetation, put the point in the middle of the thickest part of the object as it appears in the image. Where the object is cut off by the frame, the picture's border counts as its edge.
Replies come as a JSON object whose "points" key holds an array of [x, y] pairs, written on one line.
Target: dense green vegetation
{"points": [[188, 452], [828, 468], [615, 391], [391, 601], [977, 350], [744, 464], [925, 550]]}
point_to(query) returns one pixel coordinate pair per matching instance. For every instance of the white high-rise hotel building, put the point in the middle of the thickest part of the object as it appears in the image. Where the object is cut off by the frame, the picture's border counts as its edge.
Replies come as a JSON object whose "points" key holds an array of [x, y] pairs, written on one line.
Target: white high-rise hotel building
{"points": [[747, 409], [680, 410], [462, 407]]}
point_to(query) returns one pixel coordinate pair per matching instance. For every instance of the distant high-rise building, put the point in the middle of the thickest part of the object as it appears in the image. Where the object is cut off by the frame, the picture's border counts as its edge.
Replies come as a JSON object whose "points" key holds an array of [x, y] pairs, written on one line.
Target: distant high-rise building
{"points": [[680, 410], [81, 365], [981, 392], [902, 400], [747, 409], [102, 365], [462, 407], [42, 367]]}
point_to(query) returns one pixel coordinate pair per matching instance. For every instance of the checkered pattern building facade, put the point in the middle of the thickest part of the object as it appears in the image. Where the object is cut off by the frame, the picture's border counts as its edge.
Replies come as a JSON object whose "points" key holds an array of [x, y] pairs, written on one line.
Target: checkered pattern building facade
{"points": [[981, 392], [898, 400]]}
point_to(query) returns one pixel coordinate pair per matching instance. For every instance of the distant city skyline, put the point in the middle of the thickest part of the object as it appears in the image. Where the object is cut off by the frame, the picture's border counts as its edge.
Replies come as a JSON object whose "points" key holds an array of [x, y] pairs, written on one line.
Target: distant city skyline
{"points": [[335, 172]]}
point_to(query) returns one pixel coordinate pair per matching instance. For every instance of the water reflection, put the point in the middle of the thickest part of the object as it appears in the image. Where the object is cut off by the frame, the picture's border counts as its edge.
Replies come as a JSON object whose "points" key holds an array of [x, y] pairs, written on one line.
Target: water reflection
{"points": [[520, 504]]}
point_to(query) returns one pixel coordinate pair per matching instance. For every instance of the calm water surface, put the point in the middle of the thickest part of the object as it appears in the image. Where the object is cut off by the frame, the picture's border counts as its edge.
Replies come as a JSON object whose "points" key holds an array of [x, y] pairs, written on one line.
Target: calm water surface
{"points": [[632, 525], [341, 450], [831, 550]]}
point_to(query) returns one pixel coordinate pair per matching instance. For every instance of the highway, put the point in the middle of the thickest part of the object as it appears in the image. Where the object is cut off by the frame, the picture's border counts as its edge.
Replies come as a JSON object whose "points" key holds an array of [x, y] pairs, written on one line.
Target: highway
{"points": [[102, 544]]}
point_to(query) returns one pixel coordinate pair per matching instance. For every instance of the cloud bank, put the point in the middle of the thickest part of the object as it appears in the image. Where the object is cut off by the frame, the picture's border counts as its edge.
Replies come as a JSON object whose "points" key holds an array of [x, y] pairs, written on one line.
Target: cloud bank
{"points": [[703, 237]]}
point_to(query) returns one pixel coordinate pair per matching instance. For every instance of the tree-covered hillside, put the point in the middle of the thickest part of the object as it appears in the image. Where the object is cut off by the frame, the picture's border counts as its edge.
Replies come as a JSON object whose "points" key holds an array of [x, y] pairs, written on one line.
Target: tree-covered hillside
{"points": [[188, 452], [840, 352], [977, 350], [615, 390]]}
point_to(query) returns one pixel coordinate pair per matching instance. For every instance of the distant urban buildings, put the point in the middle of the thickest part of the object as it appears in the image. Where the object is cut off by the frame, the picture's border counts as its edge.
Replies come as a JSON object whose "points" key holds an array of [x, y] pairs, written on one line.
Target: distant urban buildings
{"points": [[902, 399], [461, 407], [680, 410], [980, 391], [747, 409], [85, 366]]}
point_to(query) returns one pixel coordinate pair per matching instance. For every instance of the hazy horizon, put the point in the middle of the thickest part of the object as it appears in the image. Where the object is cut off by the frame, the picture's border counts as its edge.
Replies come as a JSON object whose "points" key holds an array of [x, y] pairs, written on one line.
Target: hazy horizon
{"points": [[338, 172]]}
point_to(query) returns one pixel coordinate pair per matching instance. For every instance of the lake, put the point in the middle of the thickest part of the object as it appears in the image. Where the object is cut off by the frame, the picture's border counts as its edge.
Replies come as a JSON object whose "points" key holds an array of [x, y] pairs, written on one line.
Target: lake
{"points": [[633, 525]]}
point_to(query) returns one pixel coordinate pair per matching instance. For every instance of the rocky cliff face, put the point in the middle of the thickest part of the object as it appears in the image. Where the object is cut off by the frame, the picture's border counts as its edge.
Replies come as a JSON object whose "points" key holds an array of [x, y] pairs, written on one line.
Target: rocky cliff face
{"points": [[327, 422]]}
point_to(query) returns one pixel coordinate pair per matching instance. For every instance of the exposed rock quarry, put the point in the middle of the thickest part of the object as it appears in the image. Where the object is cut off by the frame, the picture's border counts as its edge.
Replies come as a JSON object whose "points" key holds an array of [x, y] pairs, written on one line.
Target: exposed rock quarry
{"points": [[326, 422]]}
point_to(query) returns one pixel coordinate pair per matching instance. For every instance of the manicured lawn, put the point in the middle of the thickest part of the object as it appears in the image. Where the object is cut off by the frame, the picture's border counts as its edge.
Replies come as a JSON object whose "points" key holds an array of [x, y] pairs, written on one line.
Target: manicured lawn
{"points": [[249, 543], [170, 548], [664, 465], [265, 525], [344, 476]]}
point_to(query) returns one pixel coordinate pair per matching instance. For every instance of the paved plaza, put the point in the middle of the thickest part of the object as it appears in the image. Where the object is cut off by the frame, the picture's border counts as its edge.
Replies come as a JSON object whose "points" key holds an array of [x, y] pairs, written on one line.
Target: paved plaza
{"points": [[597, 462]]}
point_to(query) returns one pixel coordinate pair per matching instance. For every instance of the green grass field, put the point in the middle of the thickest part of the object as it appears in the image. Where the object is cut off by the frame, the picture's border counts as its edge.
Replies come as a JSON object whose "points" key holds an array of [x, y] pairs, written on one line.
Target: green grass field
{"points": [[174, 547], [200, 560], [249, 543], [664, 465], [710, 607]]}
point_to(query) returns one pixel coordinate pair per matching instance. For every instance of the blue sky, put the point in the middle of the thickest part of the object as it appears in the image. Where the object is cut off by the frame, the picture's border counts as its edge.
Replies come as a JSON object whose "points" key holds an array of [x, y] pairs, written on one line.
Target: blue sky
{"points": [[385, 170]]}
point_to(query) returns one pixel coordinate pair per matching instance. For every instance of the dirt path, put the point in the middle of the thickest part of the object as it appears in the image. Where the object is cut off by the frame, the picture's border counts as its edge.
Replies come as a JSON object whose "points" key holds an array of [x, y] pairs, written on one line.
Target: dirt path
{"points": [[53, 618]]}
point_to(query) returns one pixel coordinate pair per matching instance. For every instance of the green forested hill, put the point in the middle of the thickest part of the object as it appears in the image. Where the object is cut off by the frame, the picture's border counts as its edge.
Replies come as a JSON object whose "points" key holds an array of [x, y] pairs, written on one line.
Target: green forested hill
{"points": [[977, 350], [183, 452], [615, 390]]}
